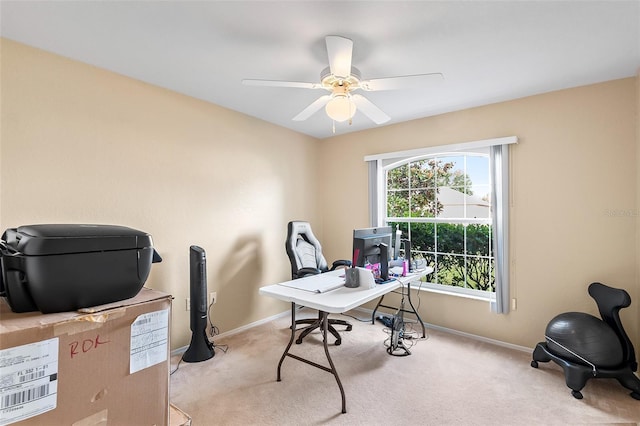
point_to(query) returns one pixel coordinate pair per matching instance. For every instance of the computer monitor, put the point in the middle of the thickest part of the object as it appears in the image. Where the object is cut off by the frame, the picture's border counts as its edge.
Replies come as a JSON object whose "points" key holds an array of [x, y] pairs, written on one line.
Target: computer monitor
{"points": [[371, 246]]}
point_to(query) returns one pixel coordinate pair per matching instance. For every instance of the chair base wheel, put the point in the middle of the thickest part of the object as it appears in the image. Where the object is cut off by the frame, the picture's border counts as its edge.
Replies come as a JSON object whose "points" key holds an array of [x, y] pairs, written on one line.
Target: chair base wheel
{"points": [[534, 364], [315, 324], [576, 394], [635, 395], [299, 341]]}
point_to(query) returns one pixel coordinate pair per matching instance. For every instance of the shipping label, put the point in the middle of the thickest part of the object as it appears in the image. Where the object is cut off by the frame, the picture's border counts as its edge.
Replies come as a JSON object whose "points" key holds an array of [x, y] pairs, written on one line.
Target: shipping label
{"points": [[28, 380], [149, 340]]}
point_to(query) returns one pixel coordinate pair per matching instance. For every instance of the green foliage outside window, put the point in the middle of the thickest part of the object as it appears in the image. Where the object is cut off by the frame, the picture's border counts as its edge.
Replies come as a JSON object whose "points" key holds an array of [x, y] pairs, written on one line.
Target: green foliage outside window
{"points": [[450, 260]]}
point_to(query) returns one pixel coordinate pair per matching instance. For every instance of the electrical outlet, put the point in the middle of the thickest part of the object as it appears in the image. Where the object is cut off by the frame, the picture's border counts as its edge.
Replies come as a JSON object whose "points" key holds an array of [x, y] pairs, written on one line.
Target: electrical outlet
{"points": [[513, 304], [213, 298], [188, 307]]}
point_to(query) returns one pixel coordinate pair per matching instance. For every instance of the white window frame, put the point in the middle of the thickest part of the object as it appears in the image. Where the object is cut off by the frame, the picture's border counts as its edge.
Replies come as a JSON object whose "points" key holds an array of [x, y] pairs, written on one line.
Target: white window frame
{"points": [[499, 166], [462, 291]]}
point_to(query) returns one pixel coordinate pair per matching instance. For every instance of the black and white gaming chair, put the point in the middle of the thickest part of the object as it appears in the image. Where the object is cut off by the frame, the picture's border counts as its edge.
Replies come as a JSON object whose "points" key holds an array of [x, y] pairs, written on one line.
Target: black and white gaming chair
{"points": [[305, 254]]}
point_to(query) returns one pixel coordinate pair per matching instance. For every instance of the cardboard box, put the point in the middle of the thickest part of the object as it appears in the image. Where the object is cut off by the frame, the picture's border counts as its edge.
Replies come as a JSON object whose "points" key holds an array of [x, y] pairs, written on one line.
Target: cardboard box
{"points": [[107, 365], [177, 417]]}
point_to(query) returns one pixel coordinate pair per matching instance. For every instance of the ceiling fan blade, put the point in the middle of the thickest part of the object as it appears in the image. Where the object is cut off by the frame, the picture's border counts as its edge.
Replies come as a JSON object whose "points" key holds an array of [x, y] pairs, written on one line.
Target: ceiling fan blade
{"points": [[369, 109], [277, 83], [401, 82], [339, 50], [313, 108]]}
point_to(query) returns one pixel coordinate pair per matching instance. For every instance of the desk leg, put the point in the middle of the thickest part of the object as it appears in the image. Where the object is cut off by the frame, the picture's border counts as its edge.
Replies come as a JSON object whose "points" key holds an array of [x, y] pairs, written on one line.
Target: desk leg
{"points": [[293, 335], [412, 311], [325, 332], [415, 311], [373, 315]]}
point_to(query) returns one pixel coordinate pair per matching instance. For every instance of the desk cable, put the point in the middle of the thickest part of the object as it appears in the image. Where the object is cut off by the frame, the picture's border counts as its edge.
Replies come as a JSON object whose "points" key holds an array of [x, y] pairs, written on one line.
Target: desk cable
{"points": [[213, 331], [409, 333], [414, 334]]}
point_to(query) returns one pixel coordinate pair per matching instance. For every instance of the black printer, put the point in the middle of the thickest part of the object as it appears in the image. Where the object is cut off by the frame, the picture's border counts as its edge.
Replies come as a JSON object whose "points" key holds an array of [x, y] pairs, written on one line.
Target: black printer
{"points": [[65, 267]]}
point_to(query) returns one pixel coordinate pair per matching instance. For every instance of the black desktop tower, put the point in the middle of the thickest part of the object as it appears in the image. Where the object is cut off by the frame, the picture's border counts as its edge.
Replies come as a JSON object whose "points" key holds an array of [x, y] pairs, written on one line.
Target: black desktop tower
{"points": [[200, 348]]}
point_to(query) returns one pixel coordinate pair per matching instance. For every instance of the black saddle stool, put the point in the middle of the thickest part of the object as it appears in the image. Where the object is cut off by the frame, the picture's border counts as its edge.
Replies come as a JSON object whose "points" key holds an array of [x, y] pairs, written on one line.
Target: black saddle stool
{"points": [[588, 347]]}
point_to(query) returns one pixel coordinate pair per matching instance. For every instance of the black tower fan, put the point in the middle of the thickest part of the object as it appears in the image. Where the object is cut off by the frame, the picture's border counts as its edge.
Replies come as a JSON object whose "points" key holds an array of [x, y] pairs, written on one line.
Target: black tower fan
{"points": [[200, 348]]}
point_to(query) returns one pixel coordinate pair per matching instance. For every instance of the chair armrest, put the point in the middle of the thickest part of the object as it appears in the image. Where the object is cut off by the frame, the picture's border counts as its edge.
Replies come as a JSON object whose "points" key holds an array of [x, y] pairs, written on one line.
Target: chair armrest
{"points": [[303, 272], [338, 263]]}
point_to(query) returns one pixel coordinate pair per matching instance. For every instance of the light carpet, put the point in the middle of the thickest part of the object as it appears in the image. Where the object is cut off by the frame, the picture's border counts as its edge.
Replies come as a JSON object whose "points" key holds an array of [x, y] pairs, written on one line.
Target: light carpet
{"points": [[447, 380]]}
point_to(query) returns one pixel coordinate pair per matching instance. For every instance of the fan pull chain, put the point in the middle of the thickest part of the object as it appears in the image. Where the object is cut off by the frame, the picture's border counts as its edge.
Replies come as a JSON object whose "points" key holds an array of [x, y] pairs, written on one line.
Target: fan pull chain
{"points": [[334, 126], [351, 111]]}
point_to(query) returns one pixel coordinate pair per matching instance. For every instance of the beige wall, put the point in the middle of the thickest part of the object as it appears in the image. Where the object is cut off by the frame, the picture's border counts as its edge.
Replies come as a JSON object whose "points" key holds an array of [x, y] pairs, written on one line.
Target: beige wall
{"points": [[574, 165], [83, 145], [80, 144]]}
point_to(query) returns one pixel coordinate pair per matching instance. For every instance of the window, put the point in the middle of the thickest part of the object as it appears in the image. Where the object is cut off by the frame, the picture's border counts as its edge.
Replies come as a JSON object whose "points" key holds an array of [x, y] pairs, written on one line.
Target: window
{"points": [[442, 204], [451, 203]]}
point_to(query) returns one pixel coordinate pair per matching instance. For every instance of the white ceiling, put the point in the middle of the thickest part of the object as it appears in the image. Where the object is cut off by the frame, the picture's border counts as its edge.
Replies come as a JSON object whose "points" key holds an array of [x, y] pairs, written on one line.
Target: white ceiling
{"points": [[488, 51]]}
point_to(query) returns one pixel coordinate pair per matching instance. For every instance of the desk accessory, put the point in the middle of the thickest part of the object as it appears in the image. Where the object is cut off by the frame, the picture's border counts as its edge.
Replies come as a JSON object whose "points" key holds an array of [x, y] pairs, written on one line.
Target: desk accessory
{"points": [[367, 280], [407, 253], [351, 274], [359, 277], [352, 278]]}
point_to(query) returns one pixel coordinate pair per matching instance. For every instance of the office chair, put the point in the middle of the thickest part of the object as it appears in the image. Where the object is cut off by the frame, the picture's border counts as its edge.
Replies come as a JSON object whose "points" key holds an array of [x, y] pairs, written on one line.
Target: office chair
{"points": [[305, 254], [587, 347]]}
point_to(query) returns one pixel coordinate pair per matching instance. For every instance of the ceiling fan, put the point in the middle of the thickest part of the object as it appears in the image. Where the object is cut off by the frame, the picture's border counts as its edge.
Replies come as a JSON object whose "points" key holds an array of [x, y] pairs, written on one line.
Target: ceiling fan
{"points": [[341, 79]]}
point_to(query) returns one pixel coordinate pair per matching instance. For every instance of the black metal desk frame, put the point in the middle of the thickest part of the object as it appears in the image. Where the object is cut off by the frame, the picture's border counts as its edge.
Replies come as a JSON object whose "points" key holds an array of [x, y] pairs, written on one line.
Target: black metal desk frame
{"points": [[413, 310], [335, 301], [325, 330]]}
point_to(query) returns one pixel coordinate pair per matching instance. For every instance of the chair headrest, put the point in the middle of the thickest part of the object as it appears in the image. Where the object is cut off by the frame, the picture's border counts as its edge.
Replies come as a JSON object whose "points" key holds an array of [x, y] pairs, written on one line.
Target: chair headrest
{"points": [[300, 229]]}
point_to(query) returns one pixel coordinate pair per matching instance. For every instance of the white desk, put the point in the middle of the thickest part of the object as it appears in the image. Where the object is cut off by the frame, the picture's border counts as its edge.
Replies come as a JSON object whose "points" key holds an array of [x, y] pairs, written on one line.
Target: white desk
{"points": [[335, 301]]}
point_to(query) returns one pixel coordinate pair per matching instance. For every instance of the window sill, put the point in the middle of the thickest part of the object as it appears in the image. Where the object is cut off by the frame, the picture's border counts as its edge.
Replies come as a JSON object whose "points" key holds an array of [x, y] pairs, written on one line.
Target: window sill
{"points": [[456, 291]]}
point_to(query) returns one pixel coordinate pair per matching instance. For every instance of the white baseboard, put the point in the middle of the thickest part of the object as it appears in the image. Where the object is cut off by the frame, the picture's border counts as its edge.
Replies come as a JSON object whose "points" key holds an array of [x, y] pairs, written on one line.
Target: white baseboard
{"points": [[183, 349], [463, 334], [369, 312]]}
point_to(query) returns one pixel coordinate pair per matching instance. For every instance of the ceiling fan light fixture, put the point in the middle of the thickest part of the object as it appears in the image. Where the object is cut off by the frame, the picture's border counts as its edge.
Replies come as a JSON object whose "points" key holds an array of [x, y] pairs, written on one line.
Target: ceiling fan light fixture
{"points": [[340, 108], [341, 79]]}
